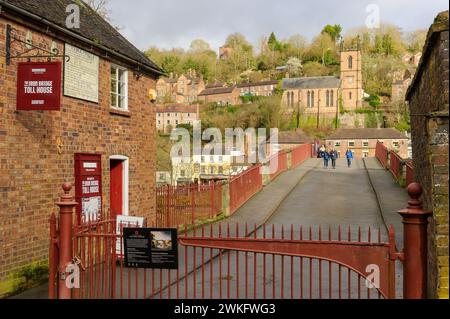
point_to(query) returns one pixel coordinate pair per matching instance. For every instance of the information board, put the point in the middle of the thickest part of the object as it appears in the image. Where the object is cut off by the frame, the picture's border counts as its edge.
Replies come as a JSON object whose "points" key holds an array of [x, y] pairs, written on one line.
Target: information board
{"points": [[126, 222], [88, 187], [38, 86], [81, 74], [151, 248]]}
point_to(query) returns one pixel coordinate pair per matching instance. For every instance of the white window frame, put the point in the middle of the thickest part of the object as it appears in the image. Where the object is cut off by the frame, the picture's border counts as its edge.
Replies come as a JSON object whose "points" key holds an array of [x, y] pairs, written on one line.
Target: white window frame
{"points": [[348, 143], [365, 142], [337, 144], [396, 142], [125, 70]]}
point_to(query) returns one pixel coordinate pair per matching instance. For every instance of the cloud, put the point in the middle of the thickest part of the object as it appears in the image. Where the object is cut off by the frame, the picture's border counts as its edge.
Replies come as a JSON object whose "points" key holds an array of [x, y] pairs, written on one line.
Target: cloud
{"points": [[175, 23]]}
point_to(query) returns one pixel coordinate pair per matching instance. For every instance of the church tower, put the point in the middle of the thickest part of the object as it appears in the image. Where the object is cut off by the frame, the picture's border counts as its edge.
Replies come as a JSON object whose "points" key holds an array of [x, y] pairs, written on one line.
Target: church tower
{"points": [[351, 79]]}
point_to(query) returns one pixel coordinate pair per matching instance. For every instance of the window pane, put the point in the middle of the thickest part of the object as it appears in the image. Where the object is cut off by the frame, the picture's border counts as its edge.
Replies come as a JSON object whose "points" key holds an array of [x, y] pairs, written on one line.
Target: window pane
{"points": [[113, 100], [113, 73], [122, 75], [122, 88], [113, 86], [122, 102]]}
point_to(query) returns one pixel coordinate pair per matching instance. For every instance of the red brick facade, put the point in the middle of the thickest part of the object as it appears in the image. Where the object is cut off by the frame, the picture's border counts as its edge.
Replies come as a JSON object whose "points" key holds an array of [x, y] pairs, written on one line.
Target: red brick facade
{"points": [[428, 98], [37, 151]]}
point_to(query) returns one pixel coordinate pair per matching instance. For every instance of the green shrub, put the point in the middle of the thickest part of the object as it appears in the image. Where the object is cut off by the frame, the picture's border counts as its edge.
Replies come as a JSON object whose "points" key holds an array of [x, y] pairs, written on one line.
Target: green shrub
{"points": [[29, 277]]}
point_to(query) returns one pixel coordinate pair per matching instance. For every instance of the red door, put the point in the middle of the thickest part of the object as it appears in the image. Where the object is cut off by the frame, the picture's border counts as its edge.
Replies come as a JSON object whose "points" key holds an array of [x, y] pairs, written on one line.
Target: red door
{"points": [[116, 187]]}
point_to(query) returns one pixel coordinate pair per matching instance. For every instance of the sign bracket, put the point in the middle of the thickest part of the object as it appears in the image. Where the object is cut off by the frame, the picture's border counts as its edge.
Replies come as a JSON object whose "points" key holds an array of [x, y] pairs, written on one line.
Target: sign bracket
{"points": [[27, 48]]}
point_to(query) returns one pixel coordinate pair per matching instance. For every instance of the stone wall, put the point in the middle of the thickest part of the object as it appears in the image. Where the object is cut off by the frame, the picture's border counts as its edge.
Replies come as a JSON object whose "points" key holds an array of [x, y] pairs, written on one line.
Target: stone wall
{"points": [[37, 155], [428, 100]]}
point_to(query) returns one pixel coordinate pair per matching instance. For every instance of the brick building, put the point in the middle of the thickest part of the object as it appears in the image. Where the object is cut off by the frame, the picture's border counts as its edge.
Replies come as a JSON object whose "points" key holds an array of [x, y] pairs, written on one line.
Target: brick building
{"points": [[363, 141], [105, 125], [170, 115], [180, 89], [428, 103], [401, 82], [262, 88], [322, 95], [221, 95]]}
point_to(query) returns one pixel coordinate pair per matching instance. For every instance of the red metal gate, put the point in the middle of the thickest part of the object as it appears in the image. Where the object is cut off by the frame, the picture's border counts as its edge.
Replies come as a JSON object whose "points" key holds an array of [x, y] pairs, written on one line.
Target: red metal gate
{"points": [[238, 261]]}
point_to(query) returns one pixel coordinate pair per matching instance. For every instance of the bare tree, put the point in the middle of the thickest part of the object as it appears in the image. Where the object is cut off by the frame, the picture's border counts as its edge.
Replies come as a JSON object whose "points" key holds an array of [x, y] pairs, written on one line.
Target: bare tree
{"points": [[99, 6]]}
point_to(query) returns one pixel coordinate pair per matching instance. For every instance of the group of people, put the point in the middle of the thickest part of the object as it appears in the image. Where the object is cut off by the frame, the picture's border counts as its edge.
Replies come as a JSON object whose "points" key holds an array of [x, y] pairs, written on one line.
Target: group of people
{"points": [[333, 155]]}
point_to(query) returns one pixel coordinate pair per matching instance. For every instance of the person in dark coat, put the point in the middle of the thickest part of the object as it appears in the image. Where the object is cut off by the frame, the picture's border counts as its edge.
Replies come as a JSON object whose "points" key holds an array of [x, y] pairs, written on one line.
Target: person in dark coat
{"points": [[326, 158], [334, 157]]}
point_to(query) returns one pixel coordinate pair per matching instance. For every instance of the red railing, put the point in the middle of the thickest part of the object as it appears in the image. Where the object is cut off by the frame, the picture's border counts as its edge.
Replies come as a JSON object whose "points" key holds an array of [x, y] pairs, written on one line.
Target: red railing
{"points": [[381, 153], [409, 173], [187, 204], [301, 154], [395, 165], [226, 261], [244, 186], [238, 261], [277, 164]]}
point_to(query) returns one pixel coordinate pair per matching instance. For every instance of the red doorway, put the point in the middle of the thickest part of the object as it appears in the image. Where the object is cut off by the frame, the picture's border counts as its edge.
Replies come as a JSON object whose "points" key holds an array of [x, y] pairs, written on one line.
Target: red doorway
{"points": [[116, 187]]}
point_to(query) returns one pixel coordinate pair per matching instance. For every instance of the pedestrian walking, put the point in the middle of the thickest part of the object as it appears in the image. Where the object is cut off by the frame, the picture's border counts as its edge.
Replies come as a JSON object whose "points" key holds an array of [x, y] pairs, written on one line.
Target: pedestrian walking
{"points": [[326, 158], [333, 156], [321, 151], [349, 156]]}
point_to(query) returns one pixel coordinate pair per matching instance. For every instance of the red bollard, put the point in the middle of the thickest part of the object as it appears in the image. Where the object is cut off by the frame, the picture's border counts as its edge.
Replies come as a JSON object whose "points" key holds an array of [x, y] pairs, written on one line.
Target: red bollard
{"points": [[66, 206], [415, 222]]}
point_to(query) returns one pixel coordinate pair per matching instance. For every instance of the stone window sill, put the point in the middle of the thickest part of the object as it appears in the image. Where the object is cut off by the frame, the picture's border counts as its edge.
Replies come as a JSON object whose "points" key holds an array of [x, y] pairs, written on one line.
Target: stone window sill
{"points": [[114, 111]]}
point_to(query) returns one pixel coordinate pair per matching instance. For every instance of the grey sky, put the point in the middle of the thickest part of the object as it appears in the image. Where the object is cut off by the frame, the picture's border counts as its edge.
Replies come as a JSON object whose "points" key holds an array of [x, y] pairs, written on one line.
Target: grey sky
{"points": [[175, 23]]}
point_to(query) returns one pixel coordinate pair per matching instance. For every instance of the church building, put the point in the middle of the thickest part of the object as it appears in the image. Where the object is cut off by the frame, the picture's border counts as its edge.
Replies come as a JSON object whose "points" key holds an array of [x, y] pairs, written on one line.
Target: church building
{"points": [[322, 95]]}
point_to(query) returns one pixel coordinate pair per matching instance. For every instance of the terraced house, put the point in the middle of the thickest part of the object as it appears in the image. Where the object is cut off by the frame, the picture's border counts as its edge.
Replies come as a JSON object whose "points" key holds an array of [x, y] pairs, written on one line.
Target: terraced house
{"points": [[81, 112]]}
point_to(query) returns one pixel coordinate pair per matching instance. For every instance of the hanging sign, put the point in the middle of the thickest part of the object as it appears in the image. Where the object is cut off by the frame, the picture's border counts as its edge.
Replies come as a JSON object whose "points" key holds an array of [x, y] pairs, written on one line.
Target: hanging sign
{"points": [[151, 248], [39, 86]]}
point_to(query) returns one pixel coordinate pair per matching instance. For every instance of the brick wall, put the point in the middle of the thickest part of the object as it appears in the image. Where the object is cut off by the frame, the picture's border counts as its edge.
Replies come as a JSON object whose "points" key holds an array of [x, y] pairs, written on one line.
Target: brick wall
{"points": [[37, 155], [428, 99], [222, 98]]}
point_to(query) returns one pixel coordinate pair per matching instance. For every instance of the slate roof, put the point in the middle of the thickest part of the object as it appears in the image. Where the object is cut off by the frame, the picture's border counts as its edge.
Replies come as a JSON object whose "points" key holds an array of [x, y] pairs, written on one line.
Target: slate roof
{"points": [[367, 133], [92, 27], [261, 83], [214, 85], [221, 90], [318, 82]]}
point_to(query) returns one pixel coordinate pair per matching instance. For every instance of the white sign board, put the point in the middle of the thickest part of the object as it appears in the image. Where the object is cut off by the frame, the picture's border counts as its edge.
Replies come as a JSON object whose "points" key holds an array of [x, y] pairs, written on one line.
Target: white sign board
{"points": [[81, 74], [123, 222], [91, 207]]}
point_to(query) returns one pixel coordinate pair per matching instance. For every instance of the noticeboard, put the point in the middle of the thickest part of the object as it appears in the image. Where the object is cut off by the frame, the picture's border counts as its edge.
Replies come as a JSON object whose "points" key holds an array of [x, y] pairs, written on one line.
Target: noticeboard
{"points": [[39, 86], [151, 248], [81, 74], [88, 187], [122, 222]]}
